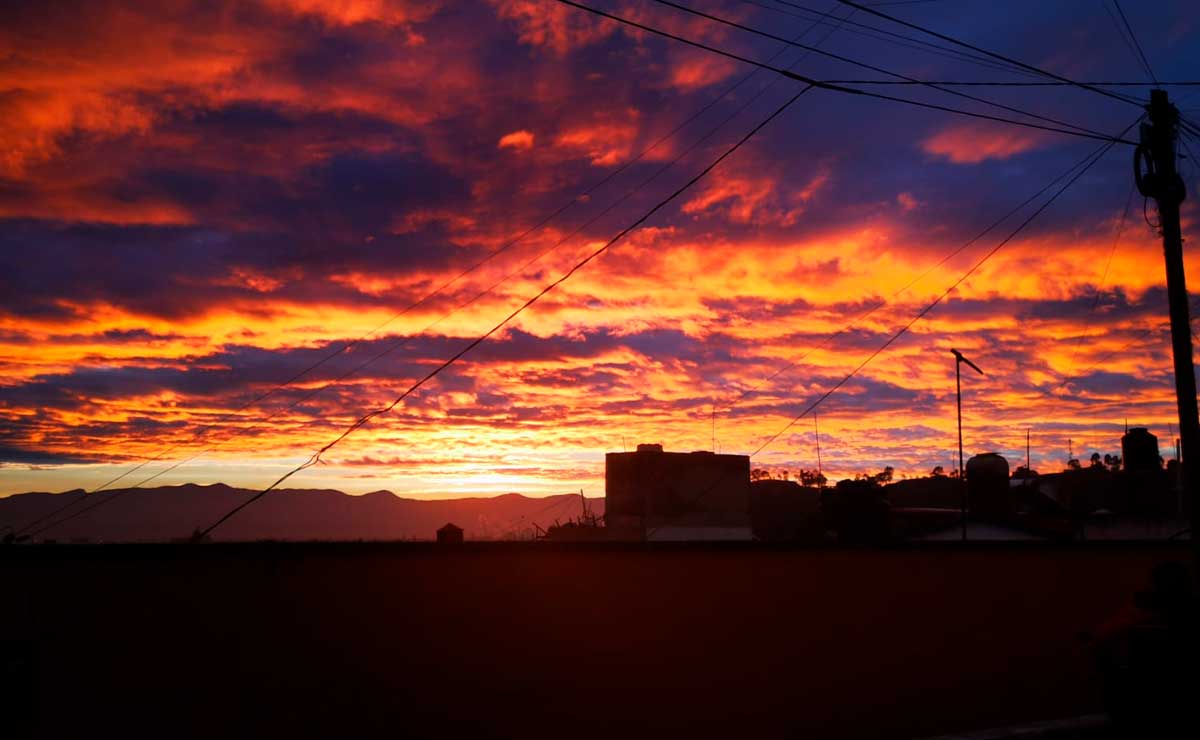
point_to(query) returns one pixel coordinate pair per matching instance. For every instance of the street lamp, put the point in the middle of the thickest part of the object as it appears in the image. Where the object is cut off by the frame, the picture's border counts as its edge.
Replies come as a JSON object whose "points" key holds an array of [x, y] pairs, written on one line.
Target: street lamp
{"points": [[962, 471]]}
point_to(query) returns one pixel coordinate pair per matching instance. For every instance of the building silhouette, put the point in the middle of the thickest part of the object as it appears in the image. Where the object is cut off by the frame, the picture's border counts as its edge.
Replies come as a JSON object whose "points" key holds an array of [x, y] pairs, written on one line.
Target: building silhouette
{"points": [[652, 494], [450, 534]]}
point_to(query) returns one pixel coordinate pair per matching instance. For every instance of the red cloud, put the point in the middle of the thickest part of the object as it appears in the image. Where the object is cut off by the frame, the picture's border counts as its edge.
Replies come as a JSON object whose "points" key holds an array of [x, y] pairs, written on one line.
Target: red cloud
{"points": [[604, 142], [350, 12], [970, 144], [552, 25], [517, 140]]}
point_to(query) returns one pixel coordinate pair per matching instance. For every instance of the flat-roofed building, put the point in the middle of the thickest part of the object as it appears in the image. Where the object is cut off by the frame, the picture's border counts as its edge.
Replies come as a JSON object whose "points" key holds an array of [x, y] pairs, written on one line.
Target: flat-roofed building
{"points": [[677, 495]]}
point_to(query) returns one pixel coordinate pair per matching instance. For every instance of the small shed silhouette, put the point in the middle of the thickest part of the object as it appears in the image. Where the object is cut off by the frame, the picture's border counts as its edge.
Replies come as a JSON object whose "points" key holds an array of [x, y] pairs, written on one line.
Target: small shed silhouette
{"points": [[450, 535]]}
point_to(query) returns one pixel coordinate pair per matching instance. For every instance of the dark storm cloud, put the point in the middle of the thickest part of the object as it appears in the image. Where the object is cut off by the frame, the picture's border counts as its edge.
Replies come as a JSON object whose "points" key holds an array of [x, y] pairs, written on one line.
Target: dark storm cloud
{"points": [[36, 457]]}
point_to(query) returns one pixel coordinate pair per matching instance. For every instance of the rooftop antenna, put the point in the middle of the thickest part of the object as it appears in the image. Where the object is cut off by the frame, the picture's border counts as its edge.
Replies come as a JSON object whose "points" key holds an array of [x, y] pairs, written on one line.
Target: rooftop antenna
{"points": [[1028, 465], [817, 433], [962, 471], [714, 425]]}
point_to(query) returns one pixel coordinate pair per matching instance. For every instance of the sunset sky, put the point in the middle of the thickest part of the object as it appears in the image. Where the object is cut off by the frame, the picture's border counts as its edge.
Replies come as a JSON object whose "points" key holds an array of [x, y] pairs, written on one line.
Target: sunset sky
{"points": [[199, 201]]}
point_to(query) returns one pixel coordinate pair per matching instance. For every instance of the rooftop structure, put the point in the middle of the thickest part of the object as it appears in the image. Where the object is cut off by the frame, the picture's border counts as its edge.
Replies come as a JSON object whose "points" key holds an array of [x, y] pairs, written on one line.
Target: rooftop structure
{"points": [[653, 493]]}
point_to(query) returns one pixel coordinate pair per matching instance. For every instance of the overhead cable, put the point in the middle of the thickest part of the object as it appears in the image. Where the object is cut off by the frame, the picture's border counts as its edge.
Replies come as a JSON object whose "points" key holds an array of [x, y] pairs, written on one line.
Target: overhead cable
{"points": [[316, 456], [865, 65], [399, 344], [993, 54], [828, 86]]}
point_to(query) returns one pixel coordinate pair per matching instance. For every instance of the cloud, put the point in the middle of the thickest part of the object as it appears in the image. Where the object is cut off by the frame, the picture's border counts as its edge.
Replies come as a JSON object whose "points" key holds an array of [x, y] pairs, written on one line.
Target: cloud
{"points": [[350, 12], [199, 201], [605, 141], [551, 25], [971, 144], [40, 458], [517, 140], [907, 201]]}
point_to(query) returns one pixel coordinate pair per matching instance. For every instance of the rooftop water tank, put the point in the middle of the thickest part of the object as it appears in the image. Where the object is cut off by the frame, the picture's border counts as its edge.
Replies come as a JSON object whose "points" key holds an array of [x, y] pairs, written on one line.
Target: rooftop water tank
{"points": [[1139, 450]]}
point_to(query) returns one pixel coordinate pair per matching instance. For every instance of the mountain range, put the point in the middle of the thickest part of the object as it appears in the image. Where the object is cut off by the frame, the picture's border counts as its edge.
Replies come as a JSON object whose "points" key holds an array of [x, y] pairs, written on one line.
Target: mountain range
{"points": [[174, 512]]}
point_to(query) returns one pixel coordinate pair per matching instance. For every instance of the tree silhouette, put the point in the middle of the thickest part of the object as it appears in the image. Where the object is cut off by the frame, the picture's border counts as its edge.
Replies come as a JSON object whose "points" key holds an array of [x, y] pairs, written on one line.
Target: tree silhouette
{"points": [[937, 472], [811, 478]]}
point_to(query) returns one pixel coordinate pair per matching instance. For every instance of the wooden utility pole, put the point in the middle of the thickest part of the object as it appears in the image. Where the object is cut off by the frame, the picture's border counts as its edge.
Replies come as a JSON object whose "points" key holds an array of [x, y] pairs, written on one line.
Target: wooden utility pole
{"points": [[1156, 177], [962, 471]]}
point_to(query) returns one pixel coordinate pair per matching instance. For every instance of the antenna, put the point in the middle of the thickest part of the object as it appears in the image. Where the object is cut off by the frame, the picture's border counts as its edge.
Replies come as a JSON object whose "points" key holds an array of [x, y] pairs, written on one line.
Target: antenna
{"points": [[958, 362], [817, 433], [959, 356]]}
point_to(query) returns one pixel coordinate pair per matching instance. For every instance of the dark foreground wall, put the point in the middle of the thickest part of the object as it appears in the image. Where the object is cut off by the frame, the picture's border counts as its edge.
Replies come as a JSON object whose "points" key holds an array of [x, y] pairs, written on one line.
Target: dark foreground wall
{"points": [[538, 640]]}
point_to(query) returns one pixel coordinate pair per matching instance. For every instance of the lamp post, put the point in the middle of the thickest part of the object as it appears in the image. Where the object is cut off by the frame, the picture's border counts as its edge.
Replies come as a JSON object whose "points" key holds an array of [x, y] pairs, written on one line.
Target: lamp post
{"points": [[962, 471]]}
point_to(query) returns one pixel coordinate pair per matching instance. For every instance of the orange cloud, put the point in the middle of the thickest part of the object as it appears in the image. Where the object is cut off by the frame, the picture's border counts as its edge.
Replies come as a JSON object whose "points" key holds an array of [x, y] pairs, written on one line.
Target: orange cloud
{"points": [[971, 144], [552, 25], [203, 144], [692, 70], [350, 12], [604, 142], [517, 140], [748, 195]]}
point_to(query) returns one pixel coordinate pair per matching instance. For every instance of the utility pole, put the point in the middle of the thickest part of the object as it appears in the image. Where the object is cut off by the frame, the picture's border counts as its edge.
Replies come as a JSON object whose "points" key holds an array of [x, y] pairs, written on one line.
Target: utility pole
{"points": [[962, 471], [1156, 177]]}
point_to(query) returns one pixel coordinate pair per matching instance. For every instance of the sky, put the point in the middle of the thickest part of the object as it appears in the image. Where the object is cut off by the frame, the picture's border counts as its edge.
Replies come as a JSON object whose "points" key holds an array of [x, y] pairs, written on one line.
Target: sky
{"points": [[201, 201]]}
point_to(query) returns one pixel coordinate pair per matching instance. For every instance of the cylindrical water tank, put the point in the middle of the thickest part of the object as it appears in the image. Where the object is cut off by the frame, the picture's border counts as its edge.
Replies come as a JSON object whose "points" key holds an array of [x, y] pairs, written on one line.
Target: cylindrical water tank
{"points": [[1139, 450], [987, 484]]}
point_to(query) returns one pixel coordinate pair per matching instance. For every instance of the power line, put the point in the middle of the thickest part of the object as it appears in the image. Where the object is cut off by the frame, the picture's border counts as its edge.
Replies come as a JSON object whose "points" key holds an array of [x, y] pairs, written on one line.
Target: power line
{"points": [[993, 54], [891, 37], [1133, 38], [563, 240], [315, 458], [1080, 169], [1125, 38], [1104, 277], [1090, 161], [946, 258], [350, 345], [512, 524], [828, 86], [1189, 127], [403, 342], [987, 83], [864, 65], [1103, 360]]}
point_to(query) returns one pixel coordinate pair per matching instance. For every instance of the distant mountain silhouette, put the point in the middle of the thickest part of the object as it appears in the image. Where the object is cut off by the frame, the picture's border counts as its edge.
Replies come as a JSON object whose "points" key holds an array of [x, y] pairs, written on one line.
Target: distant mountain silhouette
{"points": [[172, 512]]}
